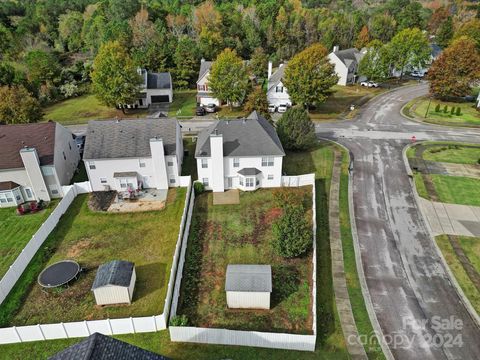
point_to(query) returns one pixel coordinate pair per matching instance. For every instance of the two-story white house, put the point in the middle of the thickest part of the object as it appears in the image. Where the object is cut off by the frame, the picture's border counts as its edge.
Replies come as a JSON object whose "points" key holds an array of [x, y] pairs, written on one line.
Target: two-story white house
{"points": [[243, 154], [346, 64], [36, 160], [133, 154], [277, 93], [204, 94], [156, 88]]}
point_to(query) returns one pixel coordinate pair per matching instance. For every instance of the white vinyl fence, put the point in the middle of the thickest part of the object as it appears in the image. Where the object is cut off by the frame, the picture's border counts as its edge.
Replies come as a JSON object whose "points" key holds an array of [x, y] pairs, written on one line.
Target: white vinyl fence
{"points": [[250, 338], [83, 328]]}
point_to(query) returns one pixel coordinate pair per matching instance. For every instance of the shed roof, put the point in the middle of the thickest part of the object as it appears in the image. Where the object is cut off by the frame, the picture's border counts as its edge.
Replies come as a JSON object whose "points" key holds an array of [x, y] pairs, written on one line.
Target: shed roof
{"points": [[252, 136], [13, 138], [249, 278], [116, 272], [349, 56], [101, 347], [116, 139]]}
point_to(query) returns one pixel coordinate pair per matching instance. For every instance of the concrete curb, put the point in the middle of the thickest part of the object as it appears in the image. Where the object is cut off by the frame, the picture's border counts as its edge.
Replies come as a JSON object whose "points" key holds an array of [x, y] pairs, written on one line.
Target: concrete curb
{"points": [[358, 260], [451, 277]]}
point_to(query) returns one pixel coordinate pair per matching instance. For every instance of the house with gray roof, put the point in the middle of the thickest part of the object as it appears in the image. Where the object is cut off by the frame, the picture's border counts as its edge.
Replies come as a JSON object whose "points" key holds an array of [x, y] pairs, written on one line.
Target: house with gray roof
{"points": [[156, 88], [346, 64], [277, 93], [114, 283], [36, 160], [204, 94], [126, 155], [243, 154], [248, 286]]}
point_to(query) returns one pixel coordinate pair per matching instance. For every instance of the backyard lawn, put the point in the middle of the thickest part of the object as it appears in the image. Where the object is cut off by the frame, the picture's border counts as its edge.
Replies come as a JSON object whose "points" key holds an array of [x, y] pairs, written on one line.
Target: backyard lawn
{"points": [[81, 109], [91, 238], [241, 234], [184, 103], [17, 231], [457, 154], [471, 248], [468, 116]]}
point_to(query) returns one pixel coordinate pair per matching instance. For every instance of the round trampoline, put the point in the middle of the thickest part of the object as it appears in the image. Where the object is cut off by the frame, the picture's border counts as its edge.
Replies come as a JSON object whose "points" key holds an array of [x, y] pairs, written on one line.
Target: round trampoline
{"points": [[58, 274]]}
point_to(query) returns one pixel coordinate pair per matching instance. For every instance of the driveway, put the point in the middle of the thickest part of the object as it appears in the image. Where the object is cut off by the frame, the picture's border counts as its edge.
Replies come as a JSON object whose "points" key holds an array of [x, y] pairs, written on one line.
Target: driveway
{"points": [[406, 279]]}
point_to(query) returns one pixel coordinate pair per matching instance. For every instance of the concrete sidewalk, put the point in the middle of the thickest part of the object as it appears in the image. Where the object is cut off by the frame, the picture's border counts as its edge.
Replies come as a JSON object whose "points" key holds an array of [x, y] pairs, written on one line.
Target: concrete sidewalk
{"points": [[451, 219]]}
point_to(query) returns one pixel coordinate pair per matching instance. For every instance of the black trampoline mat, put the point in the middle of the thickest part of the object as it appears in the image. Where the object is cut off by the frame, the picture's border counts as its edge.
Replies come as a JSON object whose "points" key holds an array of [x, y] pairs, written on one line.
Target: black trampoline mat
{"points": [[59, 273]]}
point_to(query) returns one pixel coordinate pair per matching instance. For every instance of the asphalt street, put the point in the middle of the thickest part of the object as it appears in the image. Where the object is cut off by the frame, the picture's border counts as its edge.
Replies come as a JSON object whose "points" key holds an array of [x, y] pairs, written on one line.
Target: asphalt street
{"points": [[408, 285]]}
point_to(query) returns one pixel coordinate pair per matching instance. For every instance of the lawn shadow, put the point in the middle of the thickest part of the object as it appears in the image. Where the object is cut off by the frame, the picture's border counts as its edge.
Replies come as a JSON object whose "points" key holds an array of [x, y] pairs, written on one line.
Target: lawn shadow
{"points": [[285, 281], [150, 277]]}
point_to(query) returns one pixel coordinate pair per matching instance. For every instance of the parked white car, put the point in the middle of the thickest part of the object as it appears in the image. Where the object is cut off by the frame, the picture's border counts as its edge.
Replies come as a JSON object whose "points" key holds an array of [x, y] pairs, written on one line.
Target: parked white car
{"points": [[369, 84], [417, 74], [272, 108], [282, 108]]}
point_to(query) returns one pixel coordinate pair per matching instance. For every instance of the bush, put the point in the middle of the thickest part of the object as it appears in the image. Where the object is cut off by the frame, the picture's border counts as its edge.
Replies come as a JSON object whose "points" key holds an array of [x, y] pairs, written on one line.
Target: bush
{"points": [[179, 320], [459, 111], [452, 110], [284, 197], [445, 109], [198, 187], [437, 108], [292, 233], [296, 130]]}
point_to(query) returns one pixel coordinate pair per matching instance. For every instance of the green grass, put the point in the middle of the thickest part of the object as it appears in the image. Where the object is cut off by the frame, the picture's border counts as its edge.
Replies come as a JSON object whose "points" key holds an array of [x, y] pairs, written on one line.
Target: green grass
{"points": [[339, 102], [420, 185], [146, 238], [242, 234], [457, 190], [17, 231], [81, 109], [469, 289], [184, 103], [80, 174], [471, 248], [235, 112], [453, 154], [469, 116], [189, 166]]}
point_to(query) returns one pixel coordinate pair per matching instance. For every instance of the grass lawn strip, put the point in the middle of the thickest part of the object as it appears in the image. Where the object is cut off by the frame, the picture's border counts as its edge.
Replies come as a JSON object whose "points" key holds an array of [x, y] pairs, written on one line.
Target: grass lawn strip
{"points": [[242, 234], [91, 238], [16, 231], [183, 104], [457, 190], [453, 154], [469, 289]]}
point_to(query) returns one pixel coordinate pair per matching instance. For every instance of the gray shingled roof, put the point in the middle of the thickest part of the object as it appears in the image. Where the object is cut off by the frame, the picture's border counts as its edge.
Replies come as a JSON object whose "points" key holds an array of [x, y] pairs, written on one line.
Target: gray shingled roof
{"points": [[250, 278], [114, 139], [101, 347], [253, 136], [116, 272], [276, 77], [204, 67], [349, 56], [159, 80]]}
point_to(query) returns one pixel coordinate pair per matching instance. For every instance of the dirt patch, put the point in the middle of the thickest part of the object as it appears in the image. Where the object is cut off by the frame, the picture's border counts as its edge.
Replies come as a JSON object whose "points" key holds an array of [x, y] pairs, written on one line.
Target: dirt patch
{"points": [[273, 214], [101, 200], [77, 248]]}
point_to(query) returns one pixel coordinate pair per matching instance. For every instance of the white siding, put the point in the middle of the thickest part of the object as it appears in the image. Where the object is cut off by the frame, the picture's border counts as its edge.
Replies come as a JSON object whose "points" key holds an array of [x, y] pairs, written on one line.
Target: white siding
{"points": [[156, 92], [65, 145], [108, 295], [206, 99], [248, 300], [340, 69], [277, 98]]}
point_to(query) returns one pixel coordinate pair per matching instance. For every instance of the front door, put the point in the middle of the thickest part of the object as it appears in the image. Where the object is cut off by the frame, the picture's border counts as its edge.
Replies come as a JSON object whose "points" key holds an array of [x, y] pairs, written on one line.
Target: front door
{"points": [[229, 182]]}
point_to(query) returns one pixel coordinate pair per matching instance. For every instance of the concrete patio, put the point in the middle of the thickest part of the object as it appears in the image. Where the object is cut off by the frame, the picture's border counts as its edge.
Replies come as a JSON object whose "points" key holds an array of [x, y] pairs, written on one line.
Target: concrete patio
{"points": [[146, 200], [229, 197]]}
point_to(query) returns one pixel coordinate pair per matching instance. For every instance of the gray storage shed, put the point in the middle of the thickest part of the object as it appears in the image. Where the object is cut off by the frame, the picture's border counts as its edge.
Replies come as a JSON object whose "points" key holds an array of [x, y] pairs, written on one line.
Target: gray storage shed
{"points": [[248, 286], [114, 283]]}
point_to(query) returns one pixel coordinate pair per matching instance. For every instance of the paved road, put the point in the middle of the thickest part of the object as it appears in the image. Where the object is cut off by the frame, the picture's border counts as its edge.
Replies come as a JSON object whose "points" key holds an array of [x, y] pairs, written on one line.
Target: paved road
{"points": [[406, 279]]}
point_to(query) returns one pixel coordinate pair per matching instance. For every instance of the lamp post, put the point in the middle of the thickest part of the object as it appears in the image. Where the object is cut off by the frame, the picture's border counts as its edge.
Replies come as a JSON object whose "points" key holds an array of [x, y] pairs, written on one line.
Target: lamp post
{"points": [[428, 107]]}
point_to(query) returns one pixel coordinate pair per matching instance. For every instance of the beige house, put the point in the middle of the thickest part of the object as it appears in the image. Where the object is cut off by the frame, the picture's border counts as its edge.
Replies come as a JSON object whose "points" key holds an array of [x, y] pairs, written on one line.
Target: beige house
{"points": [[248, 286], [114, 283]]}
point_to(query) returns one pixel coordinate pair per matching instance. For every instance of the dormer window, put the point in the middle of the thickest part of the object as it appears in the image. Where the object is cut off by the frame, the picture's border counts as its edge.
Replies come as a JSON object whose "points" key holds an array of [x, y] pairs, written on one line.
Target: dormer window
{"points": [[279, 89]]}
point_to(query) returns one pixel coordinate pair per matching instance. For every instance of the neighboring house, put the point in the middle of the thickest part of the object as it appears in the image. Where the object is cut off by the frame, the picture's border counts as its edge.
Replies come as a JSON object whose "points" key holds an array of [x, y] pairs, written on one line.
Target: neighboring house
{"points": [[277, 93], [36, 160], [204, 94], [478, 100], [248, 286], [435, 52], [346, 64], [101, 347], [156, 88], [243, 154], [114, 283], [133, 154]]}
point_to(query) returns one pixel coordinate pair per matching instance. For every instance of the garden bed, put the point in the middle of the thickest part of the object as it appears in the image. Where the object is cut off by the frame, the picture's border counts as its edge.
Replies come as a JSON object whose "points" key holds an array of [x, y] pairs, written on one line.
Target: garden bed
{"points": [[242, 234], [148, 239]]}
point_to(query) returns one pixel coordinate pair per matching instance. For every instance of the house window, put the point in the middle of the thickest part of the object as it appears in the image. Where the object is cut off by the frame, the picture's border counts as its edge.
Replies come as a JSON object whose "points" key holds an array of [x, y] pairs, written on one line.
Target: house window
{"points": [[123, 185], [205, 181], [141, 163], [202, 88], [267, 161], [270, 177], [172, 180], [2, 200], [279, 89], [64, 157], [9, 198], [103, 180], [170, 163], [204, 163], [240, 180], [47, 171], [236, 162], [249, 182], [29, 193], [69, 146], [17, 197], [91, 165]]}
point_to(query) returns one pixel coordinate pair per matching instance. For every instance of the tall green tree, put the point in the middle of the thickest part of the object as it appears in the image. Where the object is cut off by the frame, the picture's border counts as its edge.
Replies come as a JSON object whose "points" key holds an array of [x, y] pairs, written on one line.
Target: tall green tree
{"points": [[186, 62], [42, 67], [382, 27], [455, 71], [70, 30], [6, 39], [18, 106], [375, 64], [114, 77], [445, 32], [309, 76], [259, 63], [292, 233], [409, 49], [471, 29], [296, 130], [228, 77]]}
